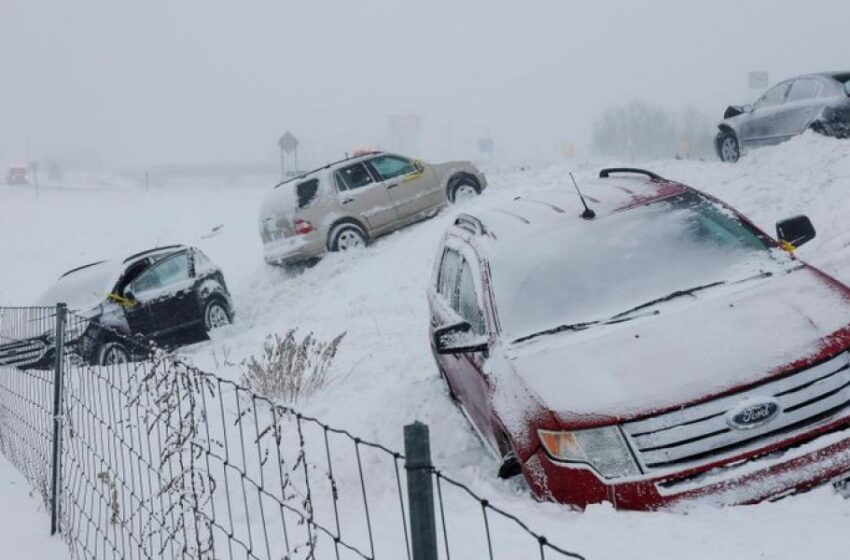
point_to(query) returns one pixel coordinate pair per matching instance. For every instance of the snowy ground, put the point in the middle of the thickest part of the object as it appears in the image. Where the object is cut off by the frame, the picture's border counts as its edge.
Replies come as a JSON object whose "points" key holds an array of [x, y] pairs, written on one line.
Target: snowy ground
{"points": [[377, 296], [24, 525]]}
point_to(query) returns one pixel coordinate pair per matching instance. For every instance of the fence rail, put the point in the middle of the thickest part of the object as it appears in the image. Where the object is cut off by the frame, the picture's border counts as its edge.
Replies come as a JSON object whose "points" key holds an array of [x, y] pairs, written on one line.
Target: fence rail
{"points": [[155, 458]]}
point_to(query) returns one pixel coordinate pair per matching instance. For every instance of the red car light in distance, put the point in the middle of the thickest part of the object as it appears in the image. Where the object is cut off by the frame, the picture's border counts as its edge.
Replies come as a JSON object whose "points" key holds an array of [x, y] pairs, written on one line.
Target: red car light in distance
{"points": [[302, 227]]}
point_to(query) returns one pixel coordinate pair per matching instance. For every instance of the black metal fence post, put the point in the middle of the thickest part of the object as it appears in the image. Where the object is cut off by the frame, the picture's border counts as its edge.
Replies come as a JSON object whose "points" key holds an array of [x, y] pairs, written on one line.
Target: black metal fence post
{"points": [[420, 491], [58, 373]]}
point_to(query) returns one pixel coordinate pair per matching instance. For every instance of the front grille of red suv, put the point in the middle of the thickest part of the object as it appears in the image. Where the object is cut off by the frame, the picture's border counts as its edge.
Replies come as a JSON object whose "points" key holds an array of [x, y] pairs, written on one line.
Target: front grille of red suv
{"points": [[702, 433]]}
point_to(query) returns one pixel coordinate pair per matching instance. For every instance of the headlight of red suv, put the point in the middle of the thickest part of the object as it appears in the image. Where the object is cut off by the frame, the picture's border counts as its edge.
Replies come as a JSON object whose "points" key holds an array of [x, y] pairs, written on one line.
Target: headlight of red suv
{"points": [[604, 449]]}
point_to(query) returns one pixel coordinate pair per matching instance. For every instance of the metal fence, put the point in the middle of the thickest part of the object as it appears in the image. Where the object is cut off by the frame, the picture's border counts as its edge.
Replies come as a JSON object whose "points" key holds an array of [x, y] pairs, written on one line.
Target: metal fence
{"points": [[154, 458]]}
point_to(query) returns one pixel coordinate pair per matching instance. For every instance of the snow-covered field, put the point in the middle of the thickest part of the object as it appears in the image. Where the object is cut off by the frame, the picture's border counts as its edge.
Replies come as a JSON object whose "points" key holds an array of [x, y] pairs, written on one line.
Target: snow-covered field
{"points": [[384, 375], [25, 523]]}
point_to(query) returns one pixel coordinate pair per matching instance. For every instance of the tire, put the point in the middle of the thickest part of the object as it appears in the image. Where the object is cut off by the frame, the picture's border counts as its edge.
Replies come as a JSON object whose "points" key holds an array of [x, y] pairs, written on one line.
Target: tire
{"points": [[216, 315], [509, 465], [346, 237], [728, 147], [463, 189], [112, 353]]}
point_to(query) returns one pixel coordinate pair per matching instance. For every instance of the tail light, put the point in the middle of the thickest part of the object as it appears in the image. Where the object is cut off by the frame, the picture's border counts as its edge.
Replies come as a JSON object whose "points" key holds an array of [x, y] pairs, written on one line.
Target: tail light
{"points": [[302, 227]]}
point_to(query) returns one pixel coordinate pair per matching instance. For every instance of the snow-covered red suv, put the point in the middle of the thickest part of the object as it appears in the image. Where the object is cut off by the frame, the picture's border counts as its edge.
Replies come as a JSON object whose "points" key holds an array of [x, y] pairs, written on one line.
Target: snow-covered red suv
{"points": [[654, 351]]}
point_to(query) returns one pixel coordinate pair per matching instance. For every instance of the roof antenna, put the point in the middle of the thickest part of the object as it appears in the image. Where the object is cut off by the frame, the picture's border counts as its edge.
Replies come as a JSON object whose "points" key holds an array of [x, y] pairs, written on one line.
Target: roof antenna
{"points": [[588, 213]]}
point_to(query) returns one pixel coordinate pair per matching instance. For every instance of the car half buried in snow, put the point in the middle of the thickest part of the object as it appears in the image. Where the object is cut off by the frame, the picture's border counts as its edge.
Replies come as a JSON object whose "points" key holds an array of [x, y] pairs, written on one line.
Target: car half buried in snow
{"points": [[346, 204], [819, 102], [167, 296], [653, 351]]}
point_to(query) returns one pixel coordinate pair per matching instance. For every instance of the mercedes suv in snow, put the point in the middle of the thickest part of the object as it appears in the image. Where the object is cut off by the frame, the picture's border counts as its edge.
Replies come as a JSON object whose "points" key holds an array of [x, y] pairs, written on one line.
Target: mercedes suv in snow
{"points": [[348, 203], [167, 296], [819, 102], [654, 350]]}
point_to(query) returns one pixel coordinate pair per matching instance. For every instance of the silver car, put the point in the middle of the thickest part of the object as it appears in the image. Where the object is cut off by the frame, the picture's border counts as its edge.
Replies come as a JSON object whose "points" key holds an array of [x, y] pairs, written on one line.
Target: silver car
{"points": [[348, 203], [819, 102]]}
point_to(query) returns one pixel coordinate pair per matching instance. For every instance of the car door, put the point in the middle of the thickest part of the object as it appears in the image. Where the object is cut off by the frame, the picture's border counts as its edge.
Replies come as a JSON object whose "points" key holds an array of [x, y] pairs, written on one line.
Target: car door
{"points": [[760, 126], [413, 187], [166, 302], [362, 196], [801, 107], [459, 292]]}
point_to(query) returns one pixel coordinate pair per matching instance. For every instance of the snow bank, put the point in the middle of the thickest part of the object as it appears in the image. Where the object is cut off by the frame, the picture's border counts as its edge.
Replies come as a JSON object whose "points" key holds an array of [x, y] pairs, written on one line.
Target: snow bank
{"points": [[384, 375]]}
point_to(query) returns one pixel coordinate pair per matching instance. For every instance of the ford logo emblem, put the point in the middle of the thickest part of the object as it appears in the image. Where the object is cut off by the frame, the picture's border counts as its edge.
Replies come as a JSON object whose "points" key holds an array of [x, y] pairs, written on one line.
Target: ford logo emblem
{"points": [[753, 414]]}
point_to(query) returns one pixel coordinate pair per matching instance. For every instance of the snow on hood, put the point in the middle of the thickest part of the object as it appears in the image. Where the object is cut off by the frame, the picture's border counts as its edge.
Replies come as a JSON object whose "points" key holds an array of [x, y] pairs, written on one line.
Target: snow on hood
{"points": [[729, 336], [85, 288]]}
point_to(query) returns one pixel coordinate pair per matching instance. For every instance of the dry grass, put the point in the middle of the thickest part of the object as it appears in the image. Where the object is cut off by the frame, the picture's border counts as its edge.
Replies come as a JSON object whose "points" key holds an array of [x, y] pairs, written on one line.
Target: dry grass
{"points": [[289, 370]]}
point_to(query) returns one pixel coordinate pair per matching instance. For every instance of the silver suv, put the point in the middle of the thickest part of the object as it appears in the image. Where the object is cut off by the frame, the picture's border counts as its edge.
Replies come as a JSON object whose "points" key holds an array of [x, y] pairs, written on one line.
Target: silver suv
{"points": [[348, 203]]}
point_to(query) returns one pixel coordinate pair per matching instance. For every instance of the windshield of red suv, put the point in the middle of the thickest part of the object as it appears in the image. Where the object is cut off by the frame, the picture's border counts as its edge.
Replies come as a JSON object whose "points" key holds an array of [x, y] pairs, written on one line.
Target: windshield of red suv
{"points": [[591, 271]]}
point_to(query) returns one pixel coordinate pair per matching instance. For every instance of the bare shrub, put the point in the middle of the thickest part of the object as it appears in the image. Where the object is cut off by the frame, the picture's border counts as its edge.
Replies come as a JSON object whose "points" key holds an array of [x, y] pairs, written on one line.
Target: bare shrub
{"points": [[289, 370]]}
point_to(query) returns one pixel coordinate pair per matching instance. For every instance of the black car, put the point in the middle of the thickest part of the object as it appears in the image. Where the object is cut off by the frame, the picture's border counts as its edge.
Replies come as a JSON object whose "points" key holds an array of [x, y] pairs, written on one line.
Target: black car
{"points": [[166, 297], [820, 102]]}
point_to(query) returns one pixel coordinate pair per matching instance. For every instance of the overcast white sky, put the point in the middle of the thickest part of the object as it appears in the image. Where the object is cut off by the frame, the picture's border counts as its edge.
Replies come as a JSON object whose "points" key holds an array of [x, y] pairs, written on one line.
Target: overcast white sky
{"points": [[166, 81]]}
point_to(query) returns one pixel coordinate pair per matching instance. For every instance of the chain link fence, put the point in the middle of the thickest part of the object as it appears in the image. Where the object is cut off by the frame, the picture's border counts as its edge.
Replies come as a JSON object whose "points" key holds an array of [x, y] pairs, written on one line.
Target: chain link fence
{"points": [[152, 458]]}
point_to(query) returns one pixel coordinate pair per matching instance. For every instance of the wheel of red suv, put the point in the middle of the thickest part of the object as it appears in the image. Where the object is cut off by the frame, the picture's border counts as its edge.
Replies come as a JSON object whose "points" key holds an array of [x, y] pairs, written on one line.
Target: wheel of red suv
{"points": [[346, 237], [113, 353], [463, 189], [728, 147], [216, 315]]}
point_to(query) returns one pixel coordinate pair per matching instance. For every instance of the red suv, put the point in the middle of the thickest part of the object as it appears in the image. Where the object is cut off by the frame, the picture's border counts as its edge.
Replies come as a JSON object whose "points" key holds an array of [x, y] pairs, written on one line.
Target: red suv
{"points": [[652, 349]]}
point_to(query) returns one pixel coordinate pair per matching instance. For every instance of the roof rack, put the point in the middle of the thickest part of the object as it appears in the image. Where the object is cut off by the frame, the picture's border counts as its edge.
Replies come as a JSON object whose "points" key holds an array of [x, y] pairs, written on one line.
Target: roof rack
{"points": [[605, 173], [343, 160], [470, 224], [155, 250]]}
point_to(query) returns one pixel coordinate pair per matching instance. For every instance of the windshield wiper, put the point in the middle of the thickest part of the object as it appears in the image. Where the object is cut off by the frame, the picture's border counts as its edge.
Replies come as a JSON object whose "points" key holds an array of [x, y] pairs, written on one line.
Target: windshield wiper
{"points": [[622, 316], [668, 297], [558, 329]]}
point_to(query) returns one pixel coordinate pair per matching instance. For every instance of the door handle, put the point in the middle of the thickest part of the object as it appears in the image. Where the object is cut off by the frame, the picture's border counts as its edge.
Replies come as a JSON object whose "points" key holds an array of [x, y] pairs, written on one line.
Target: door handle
{"points": [[347, 200], [392, 186]]}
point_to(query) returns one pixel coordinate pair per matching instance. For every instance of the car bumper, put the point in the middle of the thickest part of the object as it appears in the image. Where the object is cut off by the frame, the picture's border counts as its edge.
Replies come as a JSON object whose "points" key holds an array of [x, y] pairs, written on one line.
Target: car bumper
{"points": [[290, 250], [767, 474]]}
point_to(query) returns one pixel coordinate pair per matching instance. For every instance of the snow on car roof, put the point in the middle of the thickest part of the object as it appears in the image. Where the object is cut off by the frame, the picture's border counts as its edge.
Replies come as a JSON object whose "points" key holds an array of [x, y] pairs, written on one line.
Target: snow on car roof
{"points": [[356, 158], [166, 249], [529, 215]]}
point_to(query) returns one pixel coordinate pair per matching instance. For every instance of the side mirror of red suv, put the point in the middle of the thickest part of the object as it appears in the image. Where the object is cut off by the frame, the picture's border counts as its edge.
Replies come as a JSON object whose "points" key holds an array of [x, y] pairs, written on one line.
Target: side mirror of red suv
{"points": [[459, 338], [795, 231]]}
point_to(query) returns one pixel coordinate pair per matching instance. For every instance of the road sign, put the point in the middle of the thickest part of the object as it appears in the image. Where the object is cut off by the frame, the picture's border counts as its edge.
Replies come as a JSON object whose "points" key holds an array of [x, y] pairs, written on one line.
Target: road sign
{"points": [[288, 143], [759, 80]]}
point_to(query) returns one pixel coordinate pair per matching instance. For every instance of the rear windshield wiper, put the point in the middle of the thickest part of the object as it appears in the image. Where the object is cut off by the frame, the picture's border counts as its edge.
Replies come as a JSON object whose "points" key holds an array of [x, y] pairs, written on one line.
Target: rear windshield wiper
{"points": [[622, 316]]}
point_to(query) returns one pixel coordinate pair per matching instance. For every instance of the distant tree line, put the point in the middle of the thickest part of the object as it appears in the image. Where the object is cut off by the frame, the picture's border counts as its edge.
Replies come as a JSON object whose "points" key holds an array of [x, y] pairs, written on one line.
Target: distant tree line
{"points": [[640, 131]]}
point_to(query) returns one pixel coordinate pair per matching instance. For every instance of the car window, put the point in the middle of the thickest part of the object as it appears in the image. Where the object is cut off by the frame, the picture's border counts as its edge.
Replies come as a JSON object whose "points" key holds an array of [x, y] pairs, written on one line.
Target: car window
{"points": [[389, 167], [446, 282], [355, 176], [467, 299], [773, 96], [306, 192], [202, 263], [802, 90], [340, 182], [168, 272]]}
